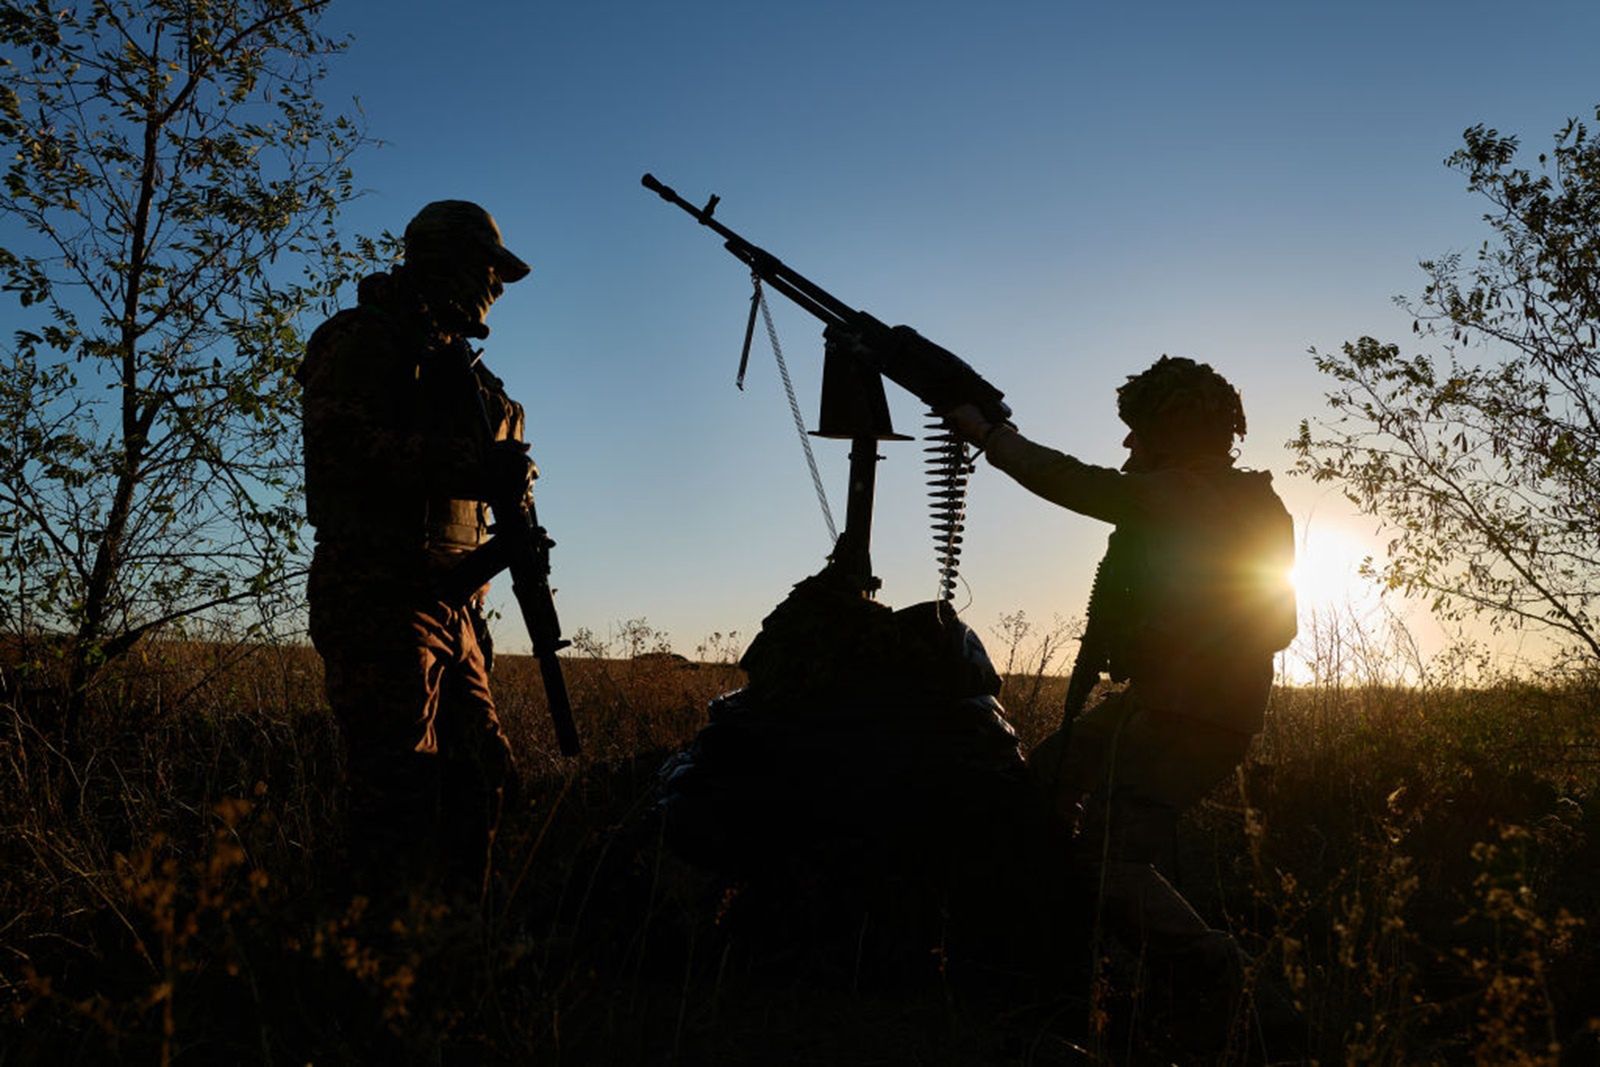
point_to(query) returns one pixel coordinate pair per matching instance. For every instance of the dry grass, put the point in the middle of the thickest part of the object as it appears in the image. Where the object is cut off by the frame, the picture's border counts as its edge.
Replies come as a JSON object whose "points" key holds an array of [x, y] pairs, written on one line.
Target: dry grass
{"points": [[1417, 864]]}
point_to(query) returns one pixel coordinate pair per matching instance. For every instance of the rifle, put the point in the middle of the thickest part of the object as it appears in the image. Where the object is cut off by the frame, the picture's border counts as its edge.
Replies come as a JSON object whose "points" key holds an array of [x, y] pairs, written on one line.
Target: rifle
{"points": [[530, 584], [522, 545], [862, 350]]}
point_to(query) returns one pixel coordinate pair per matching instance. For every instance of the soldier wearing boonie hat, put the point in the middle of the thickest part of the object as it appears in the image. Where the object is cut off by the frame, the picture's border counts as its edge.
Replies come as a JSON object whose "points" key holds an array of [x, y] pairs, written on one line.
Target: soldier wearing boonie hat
{"points": [[454, 253], [399, 464]]}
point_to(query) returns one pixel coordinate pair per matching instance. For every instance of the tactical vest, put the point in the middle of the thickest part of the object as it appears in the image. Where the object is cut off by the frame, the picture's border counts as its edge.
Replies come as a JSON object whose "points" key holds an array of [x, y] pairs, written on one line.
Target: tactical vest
{"points": [[456, 401], [433, 396], [1179, 608]]}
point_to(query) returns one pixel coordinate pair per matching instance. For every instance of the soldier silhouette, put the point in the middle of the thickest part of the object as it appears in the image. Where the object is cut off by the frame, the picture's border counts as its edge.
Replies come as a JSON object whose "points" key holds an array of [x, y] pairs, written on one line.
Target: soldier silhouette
{"points": [[399, 466], [1192, 600]]}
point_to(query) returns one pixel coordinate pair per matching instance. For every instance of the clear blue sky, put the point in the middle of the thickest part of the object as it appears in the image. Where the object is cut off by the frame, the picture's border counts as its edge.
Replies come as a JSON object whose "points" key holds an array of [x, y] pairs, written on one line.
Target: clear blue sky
{"points": [[1060, 192]]}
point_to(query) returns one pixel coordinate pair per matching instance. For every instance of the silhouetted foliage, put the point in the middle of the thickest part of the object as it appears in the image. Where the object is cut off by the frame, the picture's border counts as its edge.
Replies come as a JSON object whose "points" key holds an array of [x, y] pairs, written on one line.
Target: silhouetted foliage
{"points": [[169, 215], [1481, 456]]}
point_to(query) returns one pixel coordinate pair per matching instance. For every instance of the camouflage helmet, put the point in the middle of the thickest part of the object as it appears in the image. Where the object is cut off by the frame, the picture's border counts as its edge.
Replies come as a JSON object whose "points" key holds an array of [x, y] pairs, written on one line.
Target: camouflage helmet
{"points": [[1178, 403], [456, 229]]}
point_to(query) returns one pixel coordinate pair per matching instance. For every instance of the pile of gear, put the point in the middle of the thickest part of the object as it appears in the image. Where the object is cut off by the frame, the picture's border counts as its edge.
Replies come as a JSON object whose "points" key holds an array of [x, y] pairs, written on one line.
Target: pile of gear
{"points": [[867, 767]]}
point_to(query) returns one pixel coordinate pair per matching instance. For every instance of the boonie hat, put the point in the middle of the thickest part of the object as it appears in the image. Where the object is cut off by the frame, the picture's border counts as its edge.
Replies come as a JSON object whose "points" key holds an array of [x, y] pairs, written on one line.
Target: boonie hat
{"points": [[449, 228]]}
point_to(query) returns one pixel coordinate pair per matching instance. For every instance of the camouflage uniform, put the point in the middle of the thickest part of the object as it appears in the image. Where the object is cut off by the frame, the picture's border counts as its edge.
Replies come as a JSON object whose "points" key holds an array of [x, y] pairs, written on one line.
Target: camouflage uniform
{"points": [[1211, 547], [395, 458]]}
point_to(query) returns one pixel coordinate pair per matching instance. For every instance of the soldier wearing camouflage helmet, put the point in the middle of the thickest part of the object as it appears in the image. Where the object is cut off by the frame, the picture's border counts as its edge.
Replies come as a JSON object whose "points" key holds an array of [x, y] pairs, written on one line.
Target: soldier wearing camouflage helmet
{"points": [[1190, 605], [407, 435]]}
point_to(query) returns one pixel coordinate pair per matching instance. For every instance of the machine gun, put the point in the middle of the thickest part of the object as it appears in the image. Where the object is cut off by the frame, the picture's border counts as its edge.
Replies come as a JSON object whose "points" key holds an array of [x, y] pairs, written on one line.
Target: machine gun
{"points": [[862, 351], [521, 545]]}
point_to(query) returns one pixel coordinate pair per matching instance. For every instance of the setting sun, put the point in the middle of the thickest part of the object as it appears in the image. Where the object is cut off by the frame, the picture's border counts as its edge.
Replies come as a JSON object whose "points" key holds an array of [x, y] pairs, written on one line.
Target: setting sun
{"points": [[1327, 568]]}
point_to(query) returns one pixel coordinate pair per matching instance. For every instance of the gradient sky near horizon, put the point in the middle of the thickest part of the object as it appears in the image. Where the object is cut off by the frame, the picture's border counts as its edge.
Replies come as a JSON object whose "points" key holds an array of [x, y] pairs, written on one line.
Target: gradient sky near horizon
{"points": [[1059, 192]]}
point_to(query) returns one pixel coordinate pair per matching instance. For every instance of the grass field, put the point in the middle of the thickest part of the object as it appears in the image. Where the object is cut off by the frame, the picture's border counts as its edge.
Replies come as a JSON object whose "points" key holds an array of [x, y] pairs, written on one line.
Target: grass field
{"points": [[1417, 865]]}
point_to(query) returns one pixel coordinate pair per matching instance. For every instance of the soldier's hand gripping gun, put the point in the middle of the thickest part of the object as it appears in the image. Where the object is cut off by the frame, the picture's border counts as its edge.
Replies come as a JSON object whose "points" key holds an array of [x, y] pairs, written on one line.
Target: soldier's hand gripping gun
{"points": [[935, 375]]}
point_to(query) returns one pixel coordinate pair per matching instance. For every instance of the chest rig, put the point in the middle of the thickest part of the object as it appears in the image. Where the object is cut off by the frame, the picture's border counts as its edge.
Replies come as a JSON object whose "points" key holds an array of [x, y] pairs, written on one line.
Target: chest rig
{"points": [[452, 393]]}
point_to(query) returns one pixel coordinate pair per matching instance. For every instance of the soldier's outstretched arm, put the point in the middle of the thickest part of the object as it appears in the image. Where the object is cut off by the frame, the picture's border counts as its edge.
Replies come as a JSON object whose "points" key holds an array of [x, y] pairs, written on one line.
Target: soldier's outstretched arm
{"points": [[1098, 492]]}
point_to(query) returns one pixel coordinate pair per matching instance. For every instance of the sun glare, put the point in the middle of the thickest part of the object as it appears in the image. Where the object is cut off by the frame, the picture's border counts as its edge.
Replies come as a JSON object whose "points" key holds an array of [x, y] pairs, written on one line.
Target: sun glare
{"points": [[1326, 572]]}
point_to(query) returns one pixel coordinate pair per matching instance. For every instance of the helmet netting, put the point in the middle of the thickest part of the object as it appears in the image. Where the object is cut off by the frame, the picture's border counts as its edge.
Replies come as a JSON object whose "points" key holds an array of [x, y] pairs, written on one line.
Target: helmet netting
{"points": [[1182, 403]]}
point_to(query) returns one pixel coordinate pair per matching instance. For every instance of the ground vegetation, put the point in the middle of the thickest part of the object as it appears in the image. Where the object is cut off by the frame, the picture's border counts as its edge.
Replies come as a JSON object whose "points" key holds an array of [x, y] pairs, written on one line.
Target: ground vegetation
{"points": [[1415, 864]]}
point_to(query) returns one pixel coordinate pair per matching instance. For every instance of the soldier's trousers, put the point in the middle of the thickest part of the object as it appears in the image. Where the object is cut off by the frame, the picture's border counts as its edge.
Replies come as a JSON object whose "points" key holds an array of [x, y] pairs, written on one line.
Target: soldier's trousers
{"points": [[426, 762], [1141, 768]]}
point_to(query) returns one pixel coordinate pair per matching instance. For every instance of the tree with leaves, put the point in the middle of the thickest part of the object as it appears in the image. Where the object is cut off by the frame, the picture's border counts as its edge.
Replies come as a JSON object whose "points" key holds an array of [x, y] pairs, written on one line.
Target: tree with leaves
{"points": [[170, 214], [1482, 456]]}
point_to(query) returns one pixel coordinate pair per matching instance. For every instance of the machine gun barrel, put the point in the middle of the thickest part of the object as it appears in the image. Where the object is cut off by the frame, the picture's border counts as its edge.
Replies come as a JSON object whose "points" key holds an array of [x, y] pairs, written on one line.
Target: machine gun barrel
{"points": [[935, 375], [810, 296]]}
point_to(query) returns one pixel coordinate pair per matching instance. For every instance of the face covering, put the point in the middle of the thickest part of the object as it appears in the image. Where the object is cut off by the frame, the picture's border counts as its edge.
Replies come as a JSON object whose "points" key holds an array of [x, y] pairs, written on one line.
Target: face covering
{"points": [[458, 293]]}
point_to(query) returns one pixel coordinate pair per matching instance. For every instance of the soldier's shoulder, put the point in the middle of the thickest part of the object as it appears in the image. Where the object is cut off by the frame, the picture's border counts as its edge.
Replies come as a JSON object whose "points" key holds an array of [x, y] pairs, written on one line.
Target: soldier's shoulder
{"points": [[339, 329], [1234, 479], [369, 320], [355, 341], [1253, 489], [358, 337], [363, 322], [1251, 476]]}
